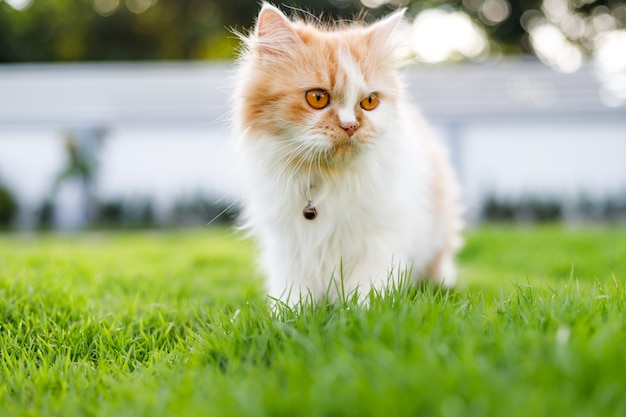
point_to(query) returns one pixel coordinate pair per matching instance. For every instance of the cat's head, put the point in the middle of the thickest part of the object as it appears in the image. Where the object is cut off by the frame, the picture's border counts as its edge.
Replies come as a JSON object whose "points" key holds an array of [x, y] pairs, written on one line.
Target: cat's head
{"points": [[326, 93]]}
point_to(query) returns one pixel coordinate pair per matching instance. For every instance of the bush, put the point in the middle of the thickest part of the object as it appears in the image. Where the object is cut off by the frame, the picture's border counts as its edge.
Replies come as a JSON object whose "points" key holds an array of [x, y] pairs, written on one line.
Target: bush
{"points": [[203, 210], [8, 207], [45, 214], [135, 212], [526, 209], [497, 210]]}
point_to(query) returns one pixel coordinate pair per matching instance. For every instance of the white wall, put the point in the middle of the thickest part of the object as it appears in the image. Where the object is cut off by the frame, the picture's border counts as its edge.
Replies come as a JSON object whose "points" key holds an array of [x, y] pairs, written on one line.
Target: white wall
{"points": [[162, 164], [506, 158], [29, 161], [564, 159], [168, 129], [166, 163]]}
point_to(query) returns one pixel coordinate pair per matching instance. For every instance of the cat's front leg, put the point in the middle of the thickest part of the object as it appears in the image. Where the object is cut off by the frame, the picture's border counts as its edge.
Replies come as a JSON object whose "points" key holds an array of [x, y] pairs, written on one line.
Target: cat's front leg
{"points": [[292, 280], [442, 270], [378, 273]]}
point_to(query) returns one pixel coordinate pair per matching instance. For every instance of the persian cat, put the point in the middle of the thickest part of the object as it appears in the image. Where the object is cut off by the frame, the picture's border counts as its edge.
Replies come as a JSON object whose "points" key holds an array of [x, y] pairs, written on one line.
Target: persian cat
{"points": [[344, 185]]}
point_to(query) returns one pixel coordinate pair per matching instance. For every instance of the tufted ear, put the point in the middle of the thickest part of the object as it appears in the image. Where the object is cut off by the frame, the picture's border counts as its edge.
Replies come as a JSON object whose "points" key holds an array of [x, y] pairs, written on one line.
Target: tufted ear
{"points": [[381, 31], [274, 31]]}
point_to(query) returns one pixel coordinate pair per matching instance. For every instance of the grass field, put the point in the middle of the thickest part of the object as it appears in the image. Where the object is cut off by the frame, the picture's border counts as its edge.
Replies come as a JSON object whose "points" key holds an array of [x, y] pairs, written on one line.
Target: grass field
{"points": [[160, 324]]}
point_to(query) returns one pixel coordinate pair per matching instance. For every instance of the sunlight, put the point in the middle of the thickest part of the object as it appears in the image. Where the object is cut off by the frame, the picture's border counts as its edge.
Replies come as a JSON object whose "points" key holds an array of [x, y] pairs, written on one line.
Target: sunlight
{"points": [[611, 51], [440, 35], [610, 65], [106, 7], [139, 6], [493, 12], [19, 4], [372, 4], [554, 49]]}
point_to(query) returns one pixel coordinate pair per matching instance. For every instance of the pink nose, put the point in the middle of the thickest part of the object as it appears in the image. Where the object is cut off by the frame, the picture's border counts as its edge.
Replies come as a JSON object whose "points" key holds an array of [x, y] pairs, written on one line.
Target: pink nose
{"points": [[349, 127]]}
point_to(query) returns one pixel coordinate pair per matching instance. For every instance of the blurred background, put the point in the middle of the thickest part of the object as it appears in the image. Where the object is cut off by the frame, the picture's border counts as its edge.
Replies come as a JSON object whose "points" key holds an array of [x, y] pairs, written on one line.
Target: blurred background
{"points": [[113, 113]]}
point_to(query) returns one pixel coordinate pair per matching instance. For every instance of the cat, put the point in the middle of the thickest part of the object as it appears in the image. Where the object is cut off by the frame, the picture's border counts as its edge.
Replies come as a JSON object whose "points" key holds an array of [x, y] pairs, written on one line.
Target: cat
{"points": [[344, 184]]}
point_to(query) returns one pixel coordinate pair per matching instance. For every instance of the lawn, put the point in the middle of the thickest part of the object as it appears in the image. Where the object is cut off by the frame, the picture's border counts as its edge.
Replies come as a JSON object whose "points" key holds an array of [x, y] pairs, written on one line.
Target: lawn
{"points": [[176, 324]]}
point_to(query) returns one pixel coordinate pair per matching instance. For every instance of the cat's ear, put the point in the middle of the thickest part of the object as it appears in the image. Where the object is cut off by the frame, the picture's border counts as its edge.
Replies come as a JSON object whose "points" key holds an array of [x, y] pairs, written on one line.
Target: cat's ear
{"points": [[274, 31], [381, 32]]}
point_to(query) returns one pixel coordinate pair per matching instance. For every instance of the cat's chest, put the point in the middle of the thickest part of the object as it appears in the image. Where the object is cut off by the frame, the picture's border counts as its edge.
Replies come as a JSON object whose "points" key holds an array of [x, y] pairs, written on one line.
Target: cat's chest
{"points": [[335, 209]]}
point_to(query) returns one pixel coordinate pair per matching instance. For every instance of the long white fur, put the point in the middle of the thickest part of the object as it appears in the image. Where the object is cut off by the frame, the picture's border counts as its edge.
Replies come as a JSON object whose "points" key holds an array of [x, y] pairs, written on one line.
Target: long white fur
{"points": [[375, 218]]}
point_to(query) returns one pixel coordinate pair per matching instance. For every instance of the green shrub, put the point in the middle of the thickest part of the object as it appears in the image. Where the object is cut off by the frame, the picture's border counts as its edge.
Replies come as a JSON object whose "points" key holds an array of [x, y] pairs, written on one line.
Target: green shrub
{"points": [[8, 207], [528, 209]]}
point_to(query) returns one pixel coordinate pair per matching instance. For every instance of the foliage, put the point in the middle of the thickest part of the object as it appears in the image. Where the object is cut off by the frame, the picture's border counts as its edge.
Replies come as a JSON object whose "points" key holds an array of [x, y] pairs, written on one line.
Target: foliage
{"points": [[611, 207], [175, 324], [534, 209], [198, 209], [135, 212], [185, 212], [44, 216], [8, 207], [69, 30], [125, 213], [526, 209]]}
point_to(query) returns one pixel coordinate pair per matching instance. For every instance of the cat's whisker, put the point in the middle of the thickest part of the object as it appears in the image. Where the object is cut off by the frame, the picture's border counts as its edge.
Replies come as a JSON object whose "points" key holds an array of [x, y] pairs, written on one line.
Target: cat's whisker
{"points": [[301, 161], [272, 153], [284, 154], [308, 185], [289, 157], [308, 154], [287, 154], [319, 165], [290, 154]]}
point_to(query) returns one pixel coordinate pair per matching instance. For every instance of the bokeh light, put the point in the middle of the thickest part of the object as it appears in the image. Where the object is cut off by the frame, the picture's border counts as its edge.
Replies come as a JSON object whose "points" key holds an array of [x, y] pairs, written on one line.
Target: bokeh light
{"points": [[106, 7], [610, 65], [611, 51], [554, 49], [440, 35], [139, 6], [19, 4], [493, 12], [372, 4]]}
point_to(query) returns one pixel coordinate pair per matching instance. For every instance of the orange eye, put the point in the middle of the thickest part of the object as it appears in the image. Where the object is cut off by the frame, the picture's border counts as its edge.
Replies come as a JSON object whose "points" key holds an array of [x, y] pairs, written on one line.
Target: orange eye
{"points": [[318, 99], [369, 103]]}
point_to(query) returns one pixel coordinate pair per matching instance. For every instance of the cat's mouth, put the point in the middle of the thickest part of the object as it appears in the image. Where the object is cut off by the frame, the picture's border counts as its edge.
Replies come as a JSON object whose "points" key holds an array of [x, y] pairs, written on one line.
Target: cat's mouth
{"points": [[343, 146], [341, 150], [332, 154]]}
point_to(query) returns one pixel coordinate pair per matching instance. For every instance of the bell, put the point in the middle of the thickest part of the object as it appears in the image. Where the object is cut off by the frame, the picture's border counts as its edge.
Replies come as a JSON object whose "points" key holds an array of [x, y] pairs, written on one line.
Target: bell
{"points": [[309, 212]]}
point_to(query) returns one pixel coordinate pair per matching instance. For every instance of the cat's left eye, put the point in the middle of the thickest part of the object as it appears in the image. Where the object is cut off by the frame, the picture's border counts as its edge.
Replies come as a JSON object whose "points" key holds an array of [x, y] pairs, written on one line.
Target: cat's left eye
{"points": [[370, 102]]}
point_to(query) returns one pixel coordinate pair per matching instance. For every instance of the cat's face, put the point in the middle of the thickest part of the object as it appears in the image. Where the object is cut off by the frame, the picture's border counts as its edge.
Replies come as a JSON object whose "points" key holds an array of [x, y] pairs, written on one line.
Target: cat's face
{"points": [[325, 94]]}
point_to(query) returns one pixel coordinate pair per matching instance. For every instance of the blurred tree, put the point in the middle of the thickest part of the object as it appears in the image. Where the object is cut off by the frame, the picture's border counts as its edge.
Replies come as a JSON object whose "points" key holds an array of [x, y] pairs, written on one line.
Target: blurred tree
{"points": [[71, 30]]}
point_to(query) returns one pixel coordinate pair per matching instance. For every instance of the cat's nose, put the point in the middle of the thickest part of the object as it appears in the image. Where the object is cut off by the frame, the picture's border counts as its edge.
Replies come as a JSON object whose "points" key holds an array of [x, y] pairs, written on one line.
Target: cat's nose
{"points": [[349, 127]]}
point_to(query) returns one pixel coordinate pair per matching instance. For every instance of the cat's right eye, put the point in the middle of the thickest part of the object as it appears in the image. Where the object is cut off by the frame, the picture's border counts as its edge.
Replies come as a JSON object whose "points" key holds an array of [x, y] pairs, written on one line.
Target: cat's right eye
{"points": [[318, 99]]}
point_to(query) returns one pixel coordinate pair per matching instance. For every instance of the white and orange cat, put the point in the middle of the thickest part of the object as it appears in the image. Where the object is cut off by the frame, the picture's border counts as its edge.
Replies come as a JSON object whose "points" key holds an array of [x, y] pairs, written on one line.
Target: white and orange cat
{"points": [[345, 185]]}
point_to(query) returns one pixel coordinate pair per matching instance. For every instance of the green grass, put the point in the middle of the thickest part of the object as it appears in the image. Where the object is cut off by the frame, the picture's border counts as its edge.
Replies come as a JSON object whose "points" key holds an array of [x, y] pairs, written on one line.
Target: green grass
{"points": [[160, 324]]}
